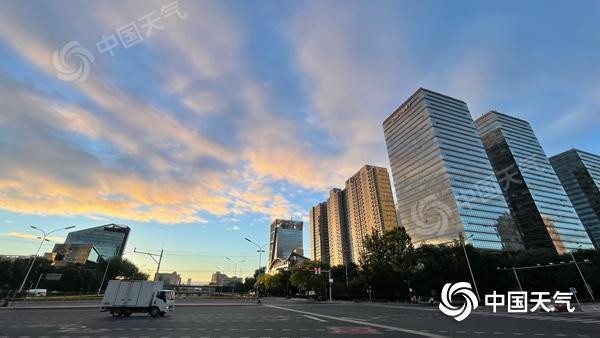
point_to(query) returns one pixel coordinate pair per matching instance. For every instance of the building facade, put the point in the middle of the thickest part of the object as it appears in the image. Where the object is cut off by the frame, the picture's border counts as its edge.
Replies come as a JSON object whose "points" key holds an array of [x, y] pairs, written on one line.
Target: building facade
{"points": [[319, 233], [286, 237], [73, 253], [369, 207], [172, 278], [537, 200], [339, 238], [579, 173], [444, 182], [109, 240]]}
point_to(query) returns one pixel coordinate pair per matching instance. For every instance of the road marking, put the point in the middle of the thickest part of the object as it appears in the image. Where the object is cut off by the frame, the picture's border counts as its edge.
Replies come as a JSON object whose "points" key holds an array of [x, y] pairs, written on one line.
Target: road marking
{"points": [[314, 318], [399, 329]]}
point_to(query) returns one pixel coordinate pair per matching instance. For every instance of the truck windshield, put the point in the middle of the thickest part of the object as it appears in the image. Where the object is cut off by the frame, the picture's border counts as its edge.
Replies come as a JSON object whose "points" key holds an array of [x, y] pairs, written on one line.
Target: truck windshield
{"points": [[166, 295]]}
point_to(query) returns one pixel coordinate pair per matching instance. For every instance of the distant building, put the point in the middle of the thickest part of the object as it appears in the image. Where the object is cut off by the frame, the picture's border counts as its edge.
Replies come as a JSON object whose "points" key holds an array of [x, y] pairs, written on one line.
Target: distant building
{"points": [[220, 279], [14, 257], [339, 237], [579, 173], [318, 233], [65, 254], [172, 278], [286, 237], [189, 282], [444, 182], [369, 207], [108, 240], [538, 202]]}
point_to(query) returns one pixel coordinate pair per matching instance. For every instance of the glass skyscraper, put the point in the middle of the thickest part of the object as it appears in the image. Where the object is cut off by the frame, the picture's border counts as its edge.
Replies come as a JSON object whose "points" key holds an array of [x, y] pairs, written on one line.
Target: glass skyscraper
{"points": [[537, 200], [108, 240], [445, 185], [579, 173], [286, 237]]}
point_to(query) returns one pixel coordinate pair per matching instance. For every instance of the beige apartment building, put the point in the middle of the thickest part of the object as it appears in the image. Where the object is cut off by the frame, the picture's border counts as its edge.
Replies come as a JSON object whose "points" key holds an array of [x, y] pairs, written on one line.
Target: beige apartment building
{"points": [[369, 206], [365, 207], [339, 245], [318, 229]]}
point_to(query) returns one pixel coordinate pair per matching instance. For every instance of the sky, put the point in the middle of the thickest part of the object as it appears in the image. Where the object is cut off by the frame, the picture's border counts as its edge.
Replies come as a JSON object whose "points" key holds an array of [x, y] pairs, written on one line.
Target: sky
{"points": [[197, 123]]}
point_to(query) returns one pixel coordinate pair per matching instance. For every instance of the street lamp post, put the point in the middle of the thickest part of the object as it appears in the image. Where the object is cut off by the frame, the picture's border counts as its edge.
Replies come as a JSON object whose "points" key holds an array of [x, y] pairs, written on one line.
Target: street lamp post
{"points": [[462, 241], [260, 251], [43, 239], [585, 284], [234, 272]]}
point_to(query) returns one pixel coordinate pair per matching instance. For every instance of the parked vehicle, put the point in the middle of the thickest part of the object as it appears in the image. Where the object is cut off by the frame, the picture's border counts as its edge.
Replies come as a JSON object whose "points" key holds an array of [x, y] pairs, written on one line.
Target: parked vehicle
{"points": [[36, 292], [122, 298]]}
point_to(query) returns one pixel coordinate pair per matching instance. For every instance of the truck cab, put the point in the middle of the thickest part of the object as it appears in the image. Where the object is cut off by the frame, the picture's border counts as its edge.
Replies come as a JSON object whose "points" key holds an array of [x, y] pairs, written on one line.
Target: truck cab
{"points": [[165, 301]]}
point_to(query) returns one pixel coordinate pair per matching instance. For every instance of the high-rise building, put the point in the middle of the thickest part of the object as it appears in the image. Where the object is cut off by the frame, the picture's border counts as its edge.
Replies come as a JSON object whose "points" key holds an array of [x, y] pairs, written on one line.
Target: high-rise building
{"points": [[537, 200], [286, 237], [445, 185], [108, 240], [579, 173], [319, 239], [339, 238], [369, 206]]}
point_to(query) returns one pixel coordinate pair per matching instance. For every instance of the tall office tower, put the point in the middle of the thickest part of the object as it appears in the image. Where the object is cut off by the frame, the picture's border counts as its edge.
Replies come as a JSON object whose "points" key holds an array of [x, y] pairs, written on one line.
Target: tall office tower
{"points": [[579, 173], [369, 206], [108, 240], [339, 245], [286, 237], [537, 200], [445, 185], [318, 230]]}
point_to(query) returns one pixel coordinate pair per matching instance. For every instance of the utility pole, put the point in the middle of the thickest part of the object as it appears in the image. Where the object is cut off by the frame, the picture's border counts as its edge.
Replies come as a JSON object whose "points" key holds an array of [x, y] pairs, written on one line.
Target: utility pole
{"points": [[152, 256], [44, 238]]}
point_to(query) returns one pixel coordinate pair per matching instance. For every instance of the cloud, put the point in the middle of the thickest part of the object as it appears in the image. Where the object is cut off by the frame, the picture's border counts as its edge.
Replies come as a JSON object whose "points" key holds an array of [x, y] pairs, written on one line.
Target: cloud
{"points": [[23, 235], [233, 228]]}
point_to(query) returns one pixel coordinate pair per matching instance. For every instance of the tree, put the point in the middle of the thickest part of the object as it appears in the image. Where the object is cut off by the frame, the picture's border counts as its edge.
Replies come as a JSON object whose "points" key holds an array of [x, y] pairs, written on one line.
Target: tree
{"points": [[387, 261], [305, 279]]}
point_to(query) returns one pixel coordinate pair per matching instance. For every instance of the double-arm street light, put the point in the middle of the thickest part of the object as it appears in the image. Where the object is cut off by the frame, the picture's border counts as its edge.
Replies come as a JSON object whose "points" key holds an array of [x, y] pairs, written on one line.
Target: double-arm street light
{"points": [[43, 239], [462, 242], [234, 272], [585, 284], [260, 251]]}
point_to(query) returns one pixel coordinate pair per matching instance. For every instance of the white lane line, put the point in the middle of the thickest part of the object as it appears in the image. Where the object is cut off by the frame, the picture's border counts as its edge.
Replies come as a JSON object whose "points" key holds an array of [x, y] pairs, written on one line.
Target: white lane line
{"points": [[314, 318], [399, 329]]}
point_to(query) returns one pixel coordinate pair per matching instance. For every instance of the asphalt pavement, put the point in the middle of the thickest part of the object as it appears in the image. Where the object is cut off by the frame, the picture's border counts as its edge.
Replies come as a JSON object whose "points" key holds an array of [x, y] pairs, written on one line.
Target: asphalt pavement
{"points": [[278, 318]]}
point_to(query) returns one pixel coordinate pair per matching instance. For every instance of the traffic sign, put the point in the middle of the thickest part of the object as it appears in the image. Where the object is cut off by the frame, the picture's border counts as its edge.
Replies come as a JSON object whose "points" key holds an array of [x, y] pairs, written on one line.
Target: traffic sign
{"points": [[53, 276]]}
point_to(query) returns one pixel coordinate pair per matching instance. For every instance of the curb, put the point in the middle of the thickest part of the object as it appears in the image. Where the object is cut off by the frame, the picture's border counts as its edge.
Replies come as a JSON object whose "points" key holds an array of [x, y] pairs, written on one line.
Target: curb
{"points": [[93, 306]]}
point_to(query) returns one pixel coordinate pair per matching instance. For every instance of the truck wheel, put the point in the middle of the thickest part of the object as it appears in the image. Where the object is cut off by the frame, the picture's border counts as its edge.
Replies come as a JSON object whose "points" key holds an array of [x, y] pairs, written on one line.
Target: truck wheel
{"points": [[154, 312], [116, 313], [162, 314], [127, 314]]}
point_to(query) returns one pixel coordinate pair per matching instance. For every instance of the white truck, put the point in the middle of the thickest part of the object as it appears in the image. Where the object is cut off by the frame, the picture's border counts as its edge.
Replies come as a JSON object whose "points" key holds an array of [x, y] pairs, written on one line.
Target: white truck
{"points": [[122, 298]]}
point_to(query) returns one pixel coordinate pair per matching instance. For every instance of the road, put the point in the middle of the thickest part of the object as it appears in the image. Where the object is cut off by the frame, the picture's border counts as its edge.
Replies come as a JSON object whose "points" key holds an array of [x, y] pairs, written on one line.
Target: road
{"points": [[280, 318]]}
